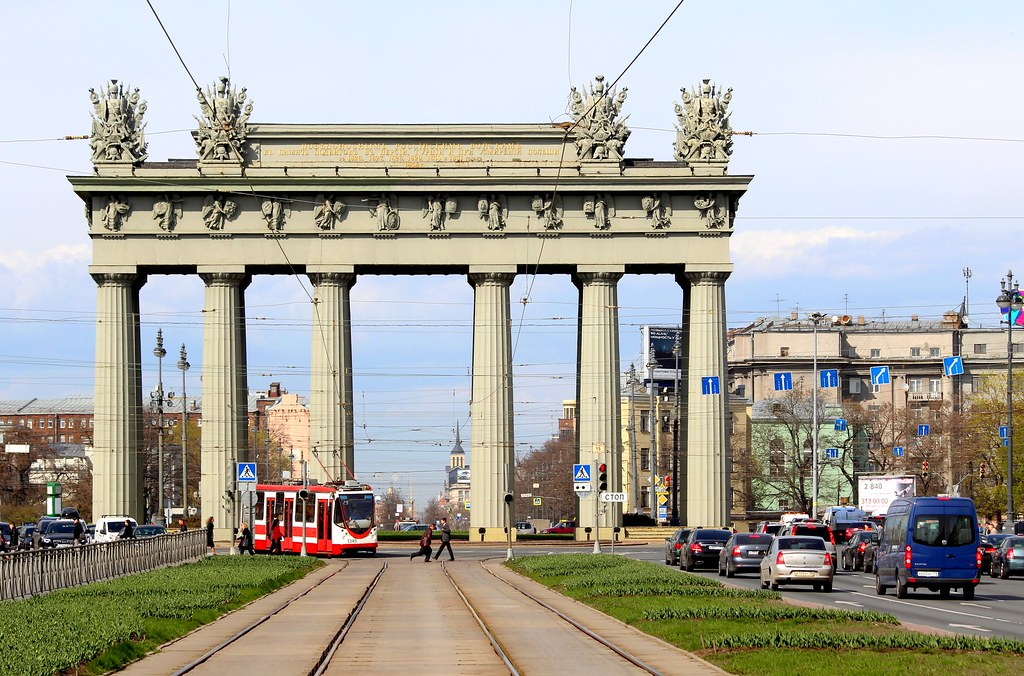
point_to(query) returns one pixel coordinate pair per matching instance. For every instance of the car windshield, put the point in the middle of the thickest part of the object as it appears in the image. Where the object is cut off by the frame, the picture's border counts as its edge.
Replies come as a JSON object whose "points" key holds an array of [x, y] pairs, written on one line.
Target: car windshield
{"points": [[712, 535], [802, 543], [944, 530], [60, 529], [751, 538], [809, 530], [149, 530]]}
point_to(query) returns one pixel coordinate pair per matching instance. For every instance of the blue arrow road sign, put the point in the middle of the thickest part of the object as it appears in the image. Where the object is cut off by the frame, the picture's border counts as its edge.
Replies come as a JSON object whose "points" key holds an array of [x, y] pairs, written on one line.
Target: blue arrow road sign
{"points": [[879, 375], [783, 381], [924, 430], [830, 378], [709, 385], [953, 366], [581, 472], [1004, 432], [898, 451], [247, 472], [832, 452], [840, 424]]}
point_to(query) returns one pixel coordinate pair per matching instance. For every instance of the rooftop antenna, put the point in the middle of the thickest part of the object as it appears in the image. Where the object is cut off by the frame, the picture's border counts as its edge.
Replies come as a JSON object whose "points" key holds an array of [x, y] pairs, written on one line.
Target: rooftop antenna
{"points": [[968, 273], [846, 304], [778, 306]]}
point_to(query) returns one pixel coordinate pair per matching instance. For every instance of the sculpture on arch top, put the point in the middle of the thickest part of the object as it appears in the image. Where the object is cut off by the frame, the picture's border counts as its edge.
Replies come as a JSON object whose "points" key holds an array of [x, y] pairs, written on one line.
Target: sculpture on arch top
{"points": [[328, 211], [599, 135], [223, 128], [117, 128], [704, 135], [494, 210]]}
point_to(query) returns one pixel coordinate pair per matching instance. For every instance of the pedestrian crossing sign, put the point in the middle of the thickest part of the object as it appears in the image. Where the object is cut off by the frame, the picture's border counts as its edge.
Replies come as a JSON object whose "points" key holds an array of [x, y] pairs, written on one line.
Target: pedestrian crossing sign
{"points": [[247, 472], [581, 472]]}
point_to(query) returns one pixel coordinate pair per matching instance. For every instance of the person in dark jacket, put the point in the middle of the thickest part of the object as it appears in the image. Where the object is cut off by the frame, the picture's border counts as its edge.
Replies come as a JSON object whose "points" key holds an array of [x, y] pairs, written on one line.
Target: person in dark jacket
{"points": [[79, 533], [425, 545], [209, 536], [245, 543], [14, 538], [446, 540], [128, 532]]}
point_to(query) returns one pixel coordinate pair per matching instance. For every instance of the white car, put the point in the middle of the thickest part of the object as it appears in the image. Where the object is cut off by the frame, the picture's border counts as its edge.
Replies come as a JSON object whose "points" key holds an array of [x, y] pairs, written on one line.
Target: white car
{"points": [[108, 528], [525, 528]]}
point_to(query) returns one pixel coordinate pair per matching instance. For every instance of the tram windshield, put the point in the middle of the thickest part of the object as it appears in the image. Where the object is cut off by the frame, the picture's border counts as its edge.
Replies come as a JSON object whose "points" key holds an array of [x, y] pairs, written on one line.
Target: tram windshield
{"points": [[354, 512]]}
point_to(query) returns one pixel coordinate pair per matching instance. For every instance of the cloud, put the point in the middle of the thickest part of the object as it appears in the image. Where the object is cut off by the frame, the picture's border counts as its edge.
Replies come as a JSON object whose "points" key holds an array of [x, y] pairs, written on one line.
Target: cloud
{"points": [[781, 252], [20, 261]]}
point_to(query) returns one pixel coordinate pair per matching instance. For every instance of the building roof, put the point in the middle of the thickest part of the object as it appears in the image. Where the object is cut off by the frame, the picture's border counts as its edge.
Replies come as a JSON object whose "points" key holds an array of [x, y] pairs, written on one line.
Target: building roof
{"points": [[72, 405], [951, 320]]}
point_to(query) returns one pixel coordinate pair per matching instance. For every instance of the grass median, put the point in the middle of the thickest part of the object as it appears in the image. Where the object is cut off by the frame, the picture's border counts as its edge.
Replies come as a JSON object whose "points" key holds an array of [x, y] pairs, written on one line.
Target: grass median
{"points": [[756, 632], [101, 627]]}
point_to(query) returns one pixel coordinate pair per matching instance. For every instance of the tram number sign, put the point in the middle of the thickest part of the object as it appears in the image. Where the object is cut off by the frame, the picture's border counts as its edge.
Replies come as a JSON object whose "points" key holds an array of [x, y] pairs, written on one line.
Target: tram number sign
{"points": [[613, 497]]}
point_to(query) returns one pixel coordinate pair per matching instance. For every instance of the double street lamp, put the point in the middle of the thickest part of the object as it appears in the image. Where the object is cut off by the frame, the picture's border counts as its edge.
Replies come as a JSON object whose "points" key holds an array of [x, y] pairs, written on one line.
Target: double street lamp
{"points": [[652, 363], [184, 366], [1010, 302], [815, 317], [158, 397]]}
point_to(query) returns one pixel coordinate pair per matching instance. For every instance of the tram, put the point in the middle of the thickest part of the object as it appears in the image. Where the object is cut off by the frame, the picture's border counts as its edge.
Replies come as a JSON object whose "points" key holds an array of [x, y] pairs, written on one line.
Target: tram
{"points": [[330, 519]]}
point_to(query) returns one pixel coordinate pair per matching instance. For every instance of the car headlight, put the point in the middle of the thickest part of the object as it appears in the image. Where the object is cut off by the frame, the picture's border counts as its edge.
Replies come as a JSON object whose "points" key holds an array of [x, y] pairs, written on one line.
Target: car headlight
{"points": [[47, 540]]}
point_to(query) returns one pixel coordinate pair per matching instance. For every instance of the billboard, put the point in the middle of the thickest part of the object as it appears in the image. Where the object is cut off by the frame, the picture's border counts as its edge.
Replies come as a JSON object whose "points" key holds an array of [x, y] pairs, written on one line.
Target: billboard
{"points": [[661, 338], [876, 492]]}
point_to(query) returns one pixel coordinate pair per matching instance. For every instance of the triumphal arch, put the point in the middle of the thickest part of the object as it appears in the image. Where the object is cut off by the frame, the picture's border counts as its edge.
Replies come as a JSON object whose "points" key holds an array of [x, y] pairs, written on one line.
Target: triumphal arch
{"points": [[335, 201]]}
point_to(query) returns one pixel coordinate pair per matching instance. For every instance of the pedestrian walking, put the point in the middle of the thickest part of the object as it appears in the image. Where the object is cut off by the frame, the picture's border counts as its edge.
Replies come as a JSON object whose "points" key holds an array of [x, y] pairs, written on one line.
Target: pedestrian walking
{"points": [[14, 538], [128, 532], [209, 536], [181, 526], [245, 541], [425, 542], [1018, 528], [446, 540], [276, 535], [79, 533]]}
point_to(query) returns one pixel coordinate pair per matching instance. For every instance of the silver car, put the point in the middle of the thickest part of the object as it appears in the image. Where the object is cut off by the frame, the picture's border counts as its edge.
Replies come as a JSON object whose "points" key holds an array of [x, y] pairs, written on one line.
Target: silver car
{"points": [[797, 559]]}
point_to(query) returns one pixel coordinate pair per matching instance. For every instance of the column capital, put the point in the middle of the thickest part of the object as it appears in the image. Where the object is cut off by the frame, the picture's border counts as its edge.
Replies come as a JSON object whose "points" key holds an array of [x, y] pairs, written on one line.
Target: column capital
{"points": [[706, 277], [117, 278], [239, 279], [498, 278], [335, 278], [592, 277]]}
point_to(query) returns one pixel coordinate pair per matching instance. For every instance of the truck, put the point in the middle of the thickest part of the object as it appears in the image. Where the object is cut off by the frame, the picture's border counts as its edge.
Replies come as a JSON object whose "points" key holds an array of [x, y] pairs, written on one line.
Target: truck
{"points": [[834, 514]]}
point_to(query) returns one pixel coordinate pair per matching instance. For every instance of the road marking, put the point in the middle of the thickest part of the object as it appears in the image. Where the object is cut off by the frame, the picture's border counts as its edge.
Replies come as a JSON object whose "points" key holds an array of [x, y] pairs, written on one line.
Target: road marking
{"points": [[851, 603], [976, 605], [970, 626], [920, 605]]}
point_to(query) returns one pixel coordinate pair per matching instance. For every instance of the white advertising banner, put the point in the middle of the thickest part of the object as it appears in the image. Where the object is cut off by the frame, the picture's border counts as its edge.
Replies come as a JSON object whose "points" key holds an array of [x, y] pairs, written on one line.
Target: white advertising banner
{"points": [[876, 492]]}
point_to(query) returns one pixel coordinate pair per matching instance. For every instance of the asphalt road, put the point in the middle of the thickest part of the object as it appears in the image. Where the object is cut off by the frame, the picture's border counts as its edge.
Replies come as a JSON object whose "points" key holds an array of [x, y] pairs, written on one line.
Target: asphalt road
{"points": [[997, 608]]}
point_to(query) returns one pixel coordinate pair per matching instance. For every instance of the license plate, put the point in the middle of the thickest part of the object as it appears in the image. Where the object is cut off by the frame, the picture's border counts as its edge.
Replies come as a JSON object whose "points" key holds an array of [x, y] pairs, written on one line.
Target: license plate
{"points": [[713, 547], [756, 552], [803, 573], [927, 573]]}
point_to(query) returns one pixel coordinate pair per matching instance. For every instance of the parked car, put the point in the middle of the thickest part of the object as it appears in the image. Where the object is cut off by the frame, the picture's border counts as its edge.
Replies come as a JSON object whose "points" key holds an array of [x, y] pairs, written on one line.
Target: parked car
{"points": [[817, 529], [149, 530], [988, 544], [673, 545], [931, 543], [41, 525], [1008, 558], [561, 527], [702, 547], [844, 530], [525, 528], [853, 551], [797, 559], [743, 553], [60, 533]]}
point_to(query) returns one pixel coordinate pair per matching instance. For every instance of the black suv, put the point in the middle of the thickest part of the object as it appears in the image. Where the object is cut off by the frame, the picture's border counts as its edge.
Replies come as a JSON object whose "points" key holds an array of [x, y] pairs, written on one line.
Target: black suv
{"points": [[703, 547], [60, 533], [41, 527]]}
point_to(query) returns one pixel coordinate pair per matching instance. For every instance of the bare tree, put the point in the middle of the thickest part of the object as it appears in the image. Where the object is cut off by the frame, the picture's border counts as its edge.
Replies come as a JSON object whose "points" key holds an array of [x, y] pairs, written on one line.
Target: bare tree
{"points": [[550, 468]]}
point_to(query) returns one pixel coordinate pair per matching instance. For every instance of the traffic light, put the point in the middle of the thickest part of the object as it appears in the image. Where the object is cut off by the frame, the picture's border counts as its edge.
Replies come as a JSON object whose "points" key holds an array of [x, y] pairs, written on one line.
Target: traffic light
{"points": [[924, 470], [668, 481], [602, 477], [508, 498], [981, 470]]}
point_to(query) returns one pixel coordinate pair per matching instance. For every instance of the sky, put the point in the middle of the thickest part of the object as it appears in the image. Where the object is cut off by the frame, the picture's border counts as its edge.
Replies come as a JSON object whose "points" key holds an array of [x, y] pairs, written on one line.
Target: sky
{"points": [[886, 156]]}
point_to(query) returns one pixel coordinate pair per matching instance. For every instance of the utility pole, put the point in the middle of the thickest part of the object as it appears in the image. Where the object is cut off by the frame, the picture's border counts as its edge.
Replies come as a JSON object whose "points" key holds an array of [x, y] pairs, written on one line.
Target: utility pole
{"points": [[184, 366], [159, 352]]}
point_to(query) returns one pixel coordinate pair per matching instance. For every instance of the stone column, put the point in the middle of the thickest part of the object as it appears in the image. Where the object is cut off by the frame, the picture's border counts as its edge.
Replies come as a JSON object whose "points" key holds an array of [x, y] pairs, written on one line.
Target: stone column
{"points": [[117, 435], [331, 431], [491, 454], [225, 397], [598, 394], [707, 446]]}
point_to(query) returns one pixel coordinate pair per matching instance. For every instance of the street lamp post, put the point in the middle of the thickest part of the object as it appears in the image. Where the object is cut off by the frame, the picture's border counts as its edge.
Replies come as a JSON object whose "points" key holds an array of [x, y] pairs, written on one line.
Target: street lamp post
{"points": [[159, 352], [184, 366], [1009, 301], [634, 457], [815, 318], [651, 363], [677, 350]]}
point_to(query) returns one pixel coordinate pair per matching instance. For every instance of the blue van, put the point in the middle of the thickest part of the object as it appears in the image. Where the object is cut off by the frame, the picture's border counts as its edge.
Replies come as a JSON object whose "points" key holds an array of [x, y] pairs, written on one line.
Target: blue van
{"points": [[929, 543]]}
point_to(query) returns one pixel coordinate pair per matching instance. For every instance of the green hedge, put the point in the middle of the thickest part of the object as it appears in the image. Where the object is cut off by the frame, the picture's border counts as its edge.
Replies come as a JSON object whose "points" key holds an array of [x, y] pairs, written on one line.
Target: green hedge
{"points": [[767, 613], [833, 641]]}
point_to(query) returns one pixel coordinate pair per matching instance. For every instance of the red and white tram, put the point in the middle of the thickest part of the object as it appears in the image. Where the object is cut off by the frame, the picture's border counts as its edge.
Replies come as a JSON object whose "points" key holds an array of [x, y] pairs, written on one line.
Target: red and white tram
{"points": [[332, 520]]}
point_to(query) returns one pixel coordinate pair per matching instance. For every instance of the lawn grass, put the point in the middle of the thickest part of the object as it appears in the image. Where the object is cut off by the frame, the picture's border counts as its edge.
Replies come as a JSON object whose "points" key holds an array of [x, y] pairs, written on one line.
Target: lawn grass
{"points": [[755, 632]]}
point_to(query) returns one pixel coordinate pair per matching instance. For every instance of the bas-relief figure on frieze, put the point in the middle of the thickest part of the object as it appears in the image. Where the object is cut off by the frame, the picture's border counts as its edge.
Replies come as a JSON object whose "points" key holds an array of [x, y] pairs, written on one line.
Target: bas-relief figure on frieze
{"points": [[223, 127], [437, 209], [114, 212], [327, 211], [713, 213], [658, 209], [549, 209], [600, 208], [167, 211], [385, 212], [704, 134], [217, 209], [494, 210], [599, 135], [117, 128], [275, 212]]}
